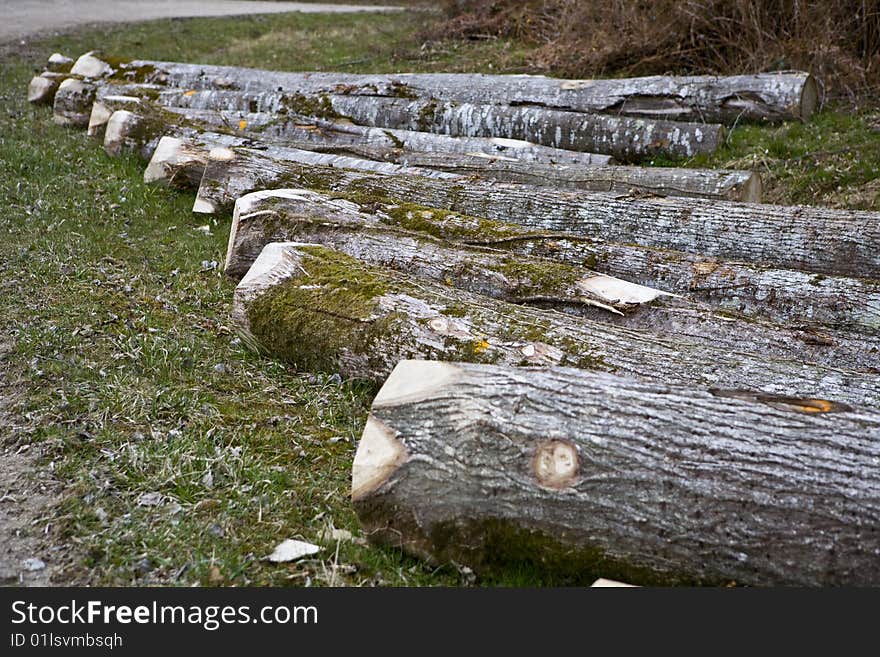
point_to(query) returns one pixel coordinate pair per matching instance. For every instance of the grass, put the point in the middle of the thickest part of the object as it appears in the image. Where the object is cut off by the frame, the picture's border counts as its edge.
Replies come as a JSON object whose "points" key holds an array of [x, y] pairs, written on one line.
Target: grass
{"points": [[129, 374]]}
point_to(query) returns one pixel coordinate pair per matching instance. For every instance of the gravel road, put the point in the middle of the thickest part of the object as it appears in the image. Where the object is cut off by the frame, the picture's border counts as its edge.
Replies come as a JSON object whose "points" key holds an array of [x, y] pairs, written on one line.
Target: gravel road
{"points": [[23, 18]]}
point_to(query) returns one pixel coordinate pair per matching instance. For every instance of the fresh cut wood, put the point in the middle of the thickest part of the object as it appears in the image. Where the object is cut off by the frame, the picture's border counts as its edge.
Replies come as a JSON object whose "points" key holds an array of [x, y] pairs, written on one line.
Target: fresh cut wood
{"points": [[818, 240], [652, 483], [775, 96], [322, 310], [308, 217]]}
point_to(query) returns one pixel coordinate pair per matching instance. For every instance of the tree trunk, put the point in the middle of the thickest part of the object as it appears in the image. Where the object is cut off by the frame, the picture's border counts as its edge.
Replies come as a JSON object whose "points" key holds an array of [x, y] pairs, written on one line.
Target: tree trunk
{"points": [[823, 241], [581, 473], [73, 103], [58, 63], [303, 216], [783, 296], [42, 88], [696, 183], [724, 99], [234, 111], [624, 138], [324, 311]]}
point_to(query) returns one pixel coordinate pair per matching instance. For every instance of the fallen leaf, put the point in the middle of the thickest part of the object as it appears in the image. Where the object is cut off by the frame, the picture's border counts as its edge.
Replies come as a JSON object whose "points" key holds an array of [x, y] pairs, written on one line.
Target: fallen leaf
{"points": [[291, 550]]}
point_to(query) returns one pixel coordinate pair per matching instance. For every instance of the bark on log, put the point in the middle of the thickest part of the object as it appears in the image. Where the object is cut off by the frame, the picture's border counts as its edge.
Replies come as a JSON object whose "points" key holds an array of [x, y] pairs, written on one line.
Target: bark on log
{"points": [[625, 138], [221, 108], [73, 103], [303, 216], [695, 183], [727, 99], [324, 311], [42, 88], [819, 240], [651, 483], [783, 296]]}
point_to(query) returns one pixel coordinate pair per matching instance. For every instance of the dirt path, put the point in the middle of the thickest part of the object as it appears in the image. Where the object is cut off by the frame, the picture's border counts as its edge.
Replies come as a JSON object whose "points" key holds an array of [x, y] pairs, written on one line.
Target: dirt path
{"points": [[22, 18], [27, 494]]}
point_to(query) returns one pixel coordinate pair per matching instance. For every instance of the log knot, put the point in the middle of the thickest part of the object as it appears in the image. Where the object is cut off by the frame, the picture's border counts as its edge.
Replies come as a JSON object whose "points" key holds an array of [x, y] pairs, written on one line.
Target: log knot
{"points": [[556, 464]]}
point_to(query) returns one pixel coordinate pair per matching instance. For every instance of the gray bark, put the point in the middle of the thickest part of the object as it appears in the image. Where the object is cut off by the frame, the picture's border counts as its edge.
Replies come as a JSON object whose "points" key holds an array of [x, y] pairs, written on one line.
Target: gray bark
{"points": [[73, 103], [274, 122], [303, 216], [695, 183], [725, 99], [624, 138], [651, 483], [819, 240], [324, 311], [783, 296]]}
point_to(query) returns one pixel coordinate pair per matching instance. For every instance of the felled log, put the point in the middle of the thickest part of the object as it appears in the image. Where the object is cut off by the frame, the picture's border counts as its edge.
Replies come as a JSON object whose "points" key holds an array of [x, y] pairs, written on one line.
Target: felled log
{"points": [[653, 483], [42, 88], [819, 240], [784, 296], [324, 311], [697, 183], [58, 63], [624, 138], [216, 108], [724, 99], [73, 103], [291, 215]]}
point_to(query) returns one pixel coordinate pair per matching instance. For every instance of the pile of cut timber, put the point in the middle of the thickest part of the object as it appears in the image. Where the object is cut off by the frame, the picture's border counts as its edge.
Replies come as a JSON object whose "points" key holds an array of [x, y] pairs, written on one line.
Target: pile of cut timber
{"points": [[601, 368]]}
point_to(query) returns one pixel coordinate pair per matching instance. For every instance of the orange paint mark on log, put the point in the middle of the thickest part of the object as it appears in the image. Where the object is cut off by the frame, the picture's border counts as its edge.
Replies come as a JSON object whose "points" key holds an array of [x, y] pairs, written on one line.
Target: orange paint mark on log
{"points": [[242, 124], [191, 92]]}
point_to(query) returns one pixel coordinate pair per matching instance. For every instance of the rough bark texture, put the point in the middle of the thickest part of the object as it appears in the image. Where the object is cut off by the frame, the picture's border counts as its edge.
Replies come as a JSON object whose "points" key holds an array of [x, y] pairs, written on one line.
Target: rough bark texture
{"points": [[73, 103], [324, 311], [275, 121], [784, 296], [303, 216], [819, 240], [625, 138], [695, 183], [766, 96], [651, 483]]}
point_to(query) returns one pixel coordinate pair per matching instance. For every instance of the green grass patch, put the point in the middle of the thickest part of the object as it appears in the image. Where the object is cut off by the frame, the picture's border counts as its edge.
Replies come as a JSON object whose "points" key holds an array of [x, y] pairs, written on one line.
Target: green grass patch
{"points": [[185, 457]]}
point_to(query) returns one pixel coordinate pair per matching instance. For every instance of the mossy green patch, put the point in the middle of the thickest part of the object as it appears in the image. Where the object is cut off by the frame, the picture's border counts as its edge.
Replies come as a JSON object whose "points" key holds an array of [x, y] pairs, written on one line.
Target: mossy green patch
{"points": [[312, 318]]}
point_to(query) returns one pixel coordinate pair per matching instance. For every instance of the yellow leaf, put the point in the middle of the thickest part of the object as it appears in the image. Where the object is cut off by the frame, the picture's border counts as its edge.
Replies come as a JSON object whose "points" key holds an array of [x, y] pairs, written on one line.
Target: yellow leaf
{"points": [[242, 124], [191, 92], [480, 346]]}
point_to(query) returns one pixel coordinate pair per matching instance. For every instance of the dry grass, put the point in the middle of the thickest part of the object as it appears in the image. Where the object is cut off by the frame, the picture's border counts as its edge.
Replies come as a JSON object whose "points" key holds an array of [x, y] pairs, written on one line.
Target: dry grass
{"points": [[837, 41]]}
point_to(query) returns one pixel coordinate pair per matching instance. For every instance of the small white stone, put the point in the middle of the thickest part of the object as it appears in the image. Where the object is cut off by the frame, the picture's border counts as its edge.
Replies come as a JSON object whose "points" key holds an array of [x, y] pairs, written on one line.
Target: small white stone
{"points": [[290, 550]]}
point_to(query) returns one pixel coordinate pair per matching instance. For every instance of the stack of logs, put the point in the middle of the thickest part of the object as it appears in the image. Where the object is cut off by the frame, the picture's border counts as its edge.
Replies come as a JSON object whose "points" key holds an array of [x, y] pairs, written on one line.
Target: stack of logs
{"points": [[586, 364]]}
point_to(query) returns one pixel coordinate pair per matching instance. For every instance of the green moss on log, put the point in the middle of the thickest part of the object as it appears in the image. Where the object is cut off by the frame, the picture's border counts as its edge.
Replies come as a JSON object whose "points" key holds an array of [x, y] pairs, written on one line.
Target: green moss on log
{"points": [[311, 318]]}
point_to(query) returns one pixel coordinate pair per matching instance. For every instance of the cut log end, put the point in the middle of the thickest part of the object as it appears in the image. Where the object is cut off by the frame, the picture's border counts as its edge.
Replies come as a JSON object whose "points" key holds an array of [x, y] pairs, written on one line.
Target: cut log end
{"points": [[41, 90], [378, 455], [166, 153], [91, 66], [810, 98], [415, 380], [119, 126]]}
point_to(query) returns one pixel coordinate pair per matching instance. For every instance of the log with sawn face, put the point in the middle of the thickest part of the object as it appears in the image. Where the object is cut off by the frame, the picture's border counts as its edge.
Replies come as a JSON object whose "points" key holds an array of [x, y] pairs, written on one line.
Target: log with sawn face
{"points": [[648, 482], [305, 216], [809, 303], [817, 240]]}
